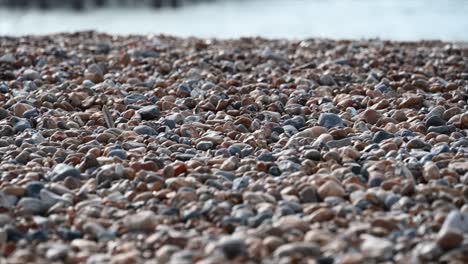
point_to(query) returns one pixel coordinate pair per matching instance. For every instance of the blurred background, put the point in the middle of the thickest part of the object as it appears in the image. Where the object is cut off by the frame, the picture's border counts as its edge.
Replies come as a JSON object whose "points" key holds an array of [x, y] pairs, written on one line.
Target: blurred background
{"points": [[337, 19]]}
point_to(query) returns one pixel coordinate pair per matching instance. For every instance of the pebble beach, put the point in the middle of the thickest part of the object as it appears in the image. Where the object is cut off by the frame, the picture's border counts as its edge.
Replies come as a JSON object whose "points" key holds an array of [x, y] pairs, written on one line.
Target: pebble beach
{"points": [[160, 149]]}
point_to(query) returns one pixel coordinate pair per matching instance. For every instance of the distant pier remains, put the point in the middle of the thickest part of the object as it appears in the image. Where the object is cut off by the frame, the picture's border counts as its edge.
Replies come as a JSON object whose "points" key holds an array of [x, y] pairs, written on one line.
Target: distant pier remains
{"points": [[89, 4]]}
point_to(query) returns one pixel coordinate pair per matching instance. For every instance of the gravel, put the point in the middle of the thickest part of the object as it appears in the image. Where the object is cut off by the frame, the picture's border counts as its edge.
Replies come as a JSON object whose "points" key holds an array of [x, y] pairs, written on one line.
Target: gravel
{"points": [[141, 148]]}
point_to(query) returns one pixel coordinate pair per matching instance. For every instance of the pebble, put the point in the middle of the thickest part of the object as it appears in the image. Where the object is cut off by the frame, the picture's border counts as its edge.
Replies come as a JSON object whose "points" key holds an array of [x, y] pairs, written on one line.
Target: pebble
{"points": [[204, 145], [330, 189], [3, 113], [330, 120], [298, 249], [370, 116], [149, 112], [142, 221], [376, 247], [453, 230], [145, 130], [232, 247], [31, 75], [61, 171], [435, 120]]}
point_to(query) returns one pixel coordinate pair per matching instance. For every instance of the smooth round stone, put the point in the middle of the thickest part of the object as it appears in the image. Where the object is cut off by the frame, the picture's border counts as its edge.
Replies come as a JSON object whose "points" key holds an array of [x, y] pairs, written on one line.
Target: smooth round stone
{"points": [[61, 171], [3, 113], [145, 130], [204, 145], [436, 111], [309, 195], [23, 157], [381, 136], [339, 143], [331, 188], [8, 58], [234, 150], [298, 249], [169, 123], [121, 154], [149, 112], [440, 129], [370, 116], [30, 205], [39, 235], [327, 80], [267, 157], [232, 247], [31, 113], [12, 233], [34, 188], [183, 90], [288, 166], [240, 183], [438, 149], [142, 221], [416, 144], [223, 152], [31, 75], [383, 88], [330, 120], [274, 170], [289, 130], [298, 122], [435, 121], [452, 232], [21, 125], [4, 88], [57, 252], [375, 182], [134, 98], [313, 154], [427, 158]]}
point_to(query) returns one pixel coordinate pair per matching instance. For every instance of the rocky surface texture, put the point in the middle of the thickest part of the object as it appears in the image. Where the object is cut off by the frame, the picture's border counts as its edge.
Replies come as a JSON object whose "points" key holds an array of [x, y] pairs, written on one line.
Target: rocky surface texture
{"points": [[155, 149]]}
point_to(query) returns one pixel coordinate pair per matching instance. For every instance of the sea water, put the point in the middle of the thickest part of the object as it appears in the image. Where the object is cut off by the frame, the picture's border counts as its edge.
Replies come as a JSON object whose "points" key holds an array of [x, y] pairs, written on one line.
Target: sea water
{"points": [[337, 19]]}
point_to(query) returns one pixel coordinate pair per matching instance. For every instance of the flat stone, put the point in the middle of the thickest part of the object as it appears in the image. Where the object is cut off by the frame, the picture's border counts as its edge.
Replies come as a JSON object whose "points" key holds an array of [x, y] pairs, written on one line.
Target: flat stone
{"points": [[61, 171], [8, 58], [204, 145], [370, 116], [21, 125], [31, 75], [232, 247], [145, 130], [308, 195], [57, 252], [376, 247], [330, 120], [149, 112], [454, 228], [435, 121], [381, 136], [298, 249], [29, 205], [330, 189], [339, 143], [460, 167], [144, 221]]}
